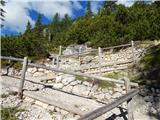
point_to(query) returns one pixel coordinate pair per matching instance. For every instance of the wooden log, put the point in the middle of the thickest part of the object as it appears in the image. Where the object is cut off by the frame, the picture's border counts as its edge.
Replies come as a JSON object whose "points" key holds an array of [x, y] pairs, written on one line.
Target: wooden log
{"points": [[81, 74], [24, 68], [129, 102], [100, 111]]}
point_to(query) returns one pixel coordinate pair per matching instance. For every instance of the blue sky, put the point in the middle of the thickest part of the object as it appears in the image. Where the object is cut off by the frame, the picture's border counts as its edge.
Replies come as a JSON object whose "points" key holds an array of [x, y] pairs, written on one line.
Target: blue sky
{"points": [[18, 12]]}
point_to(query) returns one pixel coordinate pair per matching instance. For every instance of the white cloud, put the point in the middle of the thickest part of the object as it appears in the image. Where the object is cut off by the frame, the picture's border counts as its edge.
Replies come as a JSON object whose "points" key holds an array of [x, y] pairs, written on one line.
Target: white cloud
{"points": [[17, 12], [127, 3], [16, 16], [95, 5]]}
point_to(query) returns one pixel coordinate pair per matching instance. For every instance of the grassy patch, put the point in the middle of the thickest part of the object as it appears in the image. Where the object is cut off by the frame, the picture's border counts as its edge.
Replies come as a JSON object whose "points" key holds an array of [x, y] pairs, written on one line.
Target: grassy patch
{"points": [[6, 95], [15, 64], [9, 113], [112, 75], [105, 84], [51, 112], [100, 83]]}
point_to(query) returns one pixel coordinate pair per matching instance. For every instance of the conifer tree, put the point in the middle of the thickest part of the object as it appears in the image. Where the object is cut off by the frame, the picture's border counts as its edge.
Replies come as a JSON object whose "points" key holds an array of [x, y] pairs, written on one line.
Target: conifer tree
{"points": [[28, 27], [56, 19], [38, 22], [89, 11]]}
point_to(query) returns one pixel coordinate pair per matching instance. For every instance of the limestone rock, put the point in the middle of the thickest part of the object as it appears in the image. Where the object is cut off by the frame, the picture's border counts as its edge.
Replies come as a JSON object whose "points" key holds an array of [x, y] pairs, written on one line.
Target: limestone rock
{"points": [[116, 95], [58, 85], [80, 90], [67, 88], [38, 74]]}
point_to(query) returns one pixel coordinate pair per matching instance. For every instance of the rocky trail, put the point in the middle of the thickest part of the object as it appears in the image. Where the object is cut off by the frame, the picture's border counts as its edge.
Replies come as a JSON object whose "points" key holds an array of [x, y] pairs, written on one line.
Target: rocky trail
{"points": [[65, 106]]}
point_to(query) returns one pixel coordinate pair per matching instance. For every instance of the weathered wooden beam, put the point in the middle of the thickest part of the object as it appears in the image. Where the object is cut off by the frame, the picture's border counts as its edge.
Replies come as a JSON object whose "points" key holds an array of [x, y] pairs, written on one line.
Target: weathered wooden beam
{"points": [[11, 58], [24, 68], [124, 45], [100, 111], [81, 74]]}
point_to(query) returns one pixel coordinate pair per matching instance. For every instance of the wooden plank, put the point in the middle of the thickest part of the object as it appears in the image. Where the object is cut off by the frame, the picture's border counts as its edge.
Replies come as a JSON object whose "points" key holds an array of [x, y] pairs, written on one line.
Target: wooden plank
{"points": [[100, 111], [81, 74], [24, 68]]}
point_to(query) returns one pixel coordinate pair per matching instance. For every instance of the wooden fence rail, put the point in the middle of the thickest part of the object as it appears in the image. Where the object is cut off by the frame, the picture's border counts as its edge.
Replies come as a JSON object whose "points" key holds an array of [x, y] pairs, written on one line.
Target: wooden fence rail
{"points": [[100, 111], [95, 113]]}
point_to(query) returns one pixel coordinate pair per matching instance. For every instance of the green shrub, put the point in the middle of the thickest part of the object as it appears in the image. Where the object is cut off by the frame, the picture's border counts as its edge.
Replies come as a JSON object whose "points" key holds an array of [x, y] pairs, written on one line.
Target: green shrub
{"points": [[9, 113]]}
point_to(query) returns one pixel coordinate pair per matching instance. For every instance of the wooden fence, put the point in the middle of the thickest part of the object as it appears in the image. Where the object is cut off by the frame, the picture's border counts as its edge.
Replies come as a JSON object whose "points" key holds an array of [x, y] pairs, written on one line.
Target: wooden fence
{"points": [[125, 81], [98, 51]]}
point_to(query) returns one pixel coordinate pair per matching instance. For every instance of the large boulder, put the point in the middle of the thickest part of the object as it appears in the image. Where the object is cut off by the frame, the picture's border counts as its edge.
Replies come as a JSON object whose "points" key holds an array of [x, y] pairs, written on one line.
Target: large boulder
{"points": [[74, 49]]}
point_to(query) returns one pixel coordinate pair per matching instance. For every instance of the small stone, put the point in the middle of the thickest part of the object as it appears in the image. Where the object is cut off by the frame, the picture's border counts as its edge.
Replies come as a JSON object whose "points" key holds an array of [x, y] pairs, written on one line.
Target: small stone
{"points": [[58, 79], [80, 90], [68, 88], [58, 85], [107, 96], [41, 70], [148, 98], [38, 74], [100, 96], [57, 109], [74, 83], [86, 83], [44, 105], [153, 90], [63, 112], [34, 70], [50, 107], [116, 95]]}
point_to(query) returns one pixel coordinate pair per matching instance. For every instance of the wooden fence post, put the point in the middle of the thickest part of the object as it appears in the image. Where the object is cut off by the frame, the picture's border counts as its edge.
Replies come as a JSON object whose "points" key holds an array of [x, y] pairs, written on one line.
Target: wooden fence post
{"points": [[57, 59], [100, 59], [24, 68], [129, 102], [132, 44], [60, 50], [79, 56]]}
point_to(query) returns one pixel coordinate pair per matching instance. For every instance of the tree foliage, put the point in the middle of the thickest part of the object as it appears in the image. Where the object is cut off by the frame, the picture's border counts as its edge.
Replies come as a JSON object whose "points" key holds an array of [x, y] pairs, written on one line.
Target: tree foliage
{"points": [[113, 25]]}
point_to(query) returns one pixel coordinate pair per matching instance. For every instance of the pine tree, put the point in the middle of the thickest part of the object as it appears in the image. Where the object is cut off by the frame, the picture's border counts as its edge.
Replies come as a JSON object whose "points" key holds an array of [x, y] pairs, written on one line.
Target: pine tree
{"points": [[2, 16], [38, 23], [56, 19], [28, 27], [89, 11]]}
